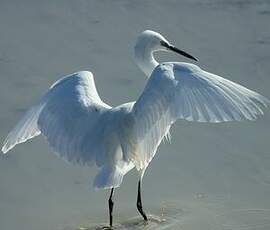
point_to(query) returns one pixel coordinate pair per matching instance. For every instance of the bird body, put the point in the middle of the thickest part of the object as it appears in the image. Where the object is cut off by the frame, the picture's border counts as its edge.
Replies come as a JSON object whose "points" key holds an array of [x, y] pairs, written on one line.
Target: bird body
{"points": [[82, 129]]}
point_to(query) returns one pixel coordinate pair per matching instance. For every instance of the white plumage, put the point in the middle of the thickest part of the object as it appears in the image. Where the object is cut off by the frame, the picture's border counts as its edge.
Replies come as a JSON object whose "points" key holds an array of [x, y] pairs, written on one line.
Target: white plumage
{"points": [[82, 129]]}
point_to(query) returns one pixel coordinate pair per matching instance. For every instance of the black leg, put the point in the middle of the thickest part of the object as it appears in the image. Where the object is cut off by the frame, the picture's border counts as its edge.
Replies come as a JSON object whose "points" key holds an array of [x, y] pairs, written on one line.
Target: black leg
{"points": [[139, 202], [111, 208]]}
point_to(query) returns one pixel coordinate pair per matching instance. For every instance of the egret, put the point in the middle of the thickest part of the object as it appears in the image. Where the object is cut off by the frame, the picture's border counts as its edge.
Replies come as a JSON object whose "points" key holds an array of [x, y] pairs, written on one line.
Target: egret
{"points": [[82, 129]]}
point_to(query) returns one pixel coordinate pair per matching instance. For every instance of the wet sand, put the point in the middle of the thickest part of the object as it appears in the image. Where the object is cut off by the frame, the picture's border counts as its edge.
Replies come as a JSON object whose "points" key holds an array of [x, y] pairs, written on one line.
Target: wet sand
{"points": [[212, 176]]}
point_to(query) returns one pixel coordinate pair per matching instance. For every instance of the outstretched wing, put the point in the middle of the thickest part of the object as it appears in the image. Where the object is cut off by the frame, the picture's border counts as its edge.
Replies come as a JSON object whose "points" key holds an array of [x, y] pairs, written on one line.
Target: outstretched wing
{"points": [[69, 115], [182, 90]]}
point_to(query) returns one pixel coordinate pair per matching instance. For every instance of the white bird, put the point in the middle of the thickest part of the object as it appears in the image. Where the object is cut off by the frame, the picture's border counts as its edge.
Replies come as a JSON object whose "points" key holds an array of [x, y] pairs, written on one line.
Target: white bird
{"points": [[82, 129]]}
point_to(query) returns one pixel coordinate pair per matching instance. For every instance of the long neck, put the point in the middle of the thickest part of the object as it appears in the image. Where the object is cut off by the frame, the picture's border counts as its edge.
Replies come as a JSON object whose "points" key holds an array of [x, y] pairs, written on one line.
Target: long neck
{"points": [[145, 59]]}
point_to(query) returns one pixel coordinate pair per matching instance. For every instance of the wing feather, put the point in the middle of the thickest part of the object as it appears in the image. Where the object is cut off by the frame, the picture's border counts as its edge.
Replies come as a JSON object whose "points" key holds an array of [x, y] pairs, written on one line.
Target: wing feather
{"points": [[70, 116], [25, 129], [182, 90]]}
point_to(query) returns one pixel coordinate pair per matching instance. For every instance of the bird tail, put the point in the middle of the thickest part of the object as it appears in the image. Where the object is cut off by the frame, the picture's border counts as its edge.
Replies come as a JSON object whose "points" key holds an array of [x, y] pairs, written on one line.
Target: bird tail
{"points": [[108, 177]]}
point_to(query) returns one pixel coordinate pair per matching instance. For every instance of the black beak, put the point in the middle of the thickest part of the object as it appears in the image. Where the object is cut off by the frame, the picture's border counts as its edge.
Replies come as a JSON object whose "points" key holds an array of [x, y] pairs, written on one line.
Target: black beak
{"points": [[176, 50]]}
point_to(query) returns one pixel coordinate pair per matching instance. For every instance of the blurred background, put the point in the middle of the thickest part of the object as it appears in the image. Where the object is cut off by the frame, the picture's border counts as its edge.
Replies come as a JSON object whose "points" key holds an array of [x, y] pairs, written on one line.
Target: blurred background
{"points": [[212, 176]]}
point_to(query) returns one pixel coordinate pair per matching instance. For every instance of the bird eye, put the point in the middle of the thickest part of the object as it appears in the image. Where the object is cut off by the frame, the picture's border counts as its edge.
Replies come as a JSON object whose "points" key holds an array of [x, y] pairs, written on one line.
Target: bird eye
{"points": [[165, 44]]}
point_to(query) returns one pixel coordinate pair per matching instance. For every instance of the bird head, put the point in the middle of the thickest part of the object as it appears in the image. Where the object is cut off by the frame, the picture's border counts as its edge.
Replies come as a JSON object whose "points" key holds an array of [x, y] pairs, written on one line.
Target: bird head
{"points": [[153, 41]]}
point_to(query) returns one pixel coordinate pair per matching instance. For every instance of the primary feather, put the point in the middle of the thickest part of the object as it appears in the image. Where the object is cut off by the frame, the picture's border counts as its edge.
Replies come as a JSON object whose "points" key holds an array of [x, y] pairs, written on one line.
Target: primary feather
{"points": [[182, 90]]}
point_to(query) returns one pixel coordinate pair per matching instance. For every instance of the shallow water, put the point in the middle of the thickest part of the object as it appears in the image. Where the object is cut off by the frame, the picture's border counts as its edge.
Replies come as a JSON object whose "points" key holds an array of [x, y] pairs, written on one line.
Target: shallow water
{"points": [[169, 218], [210, 177], [154, 222]]}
